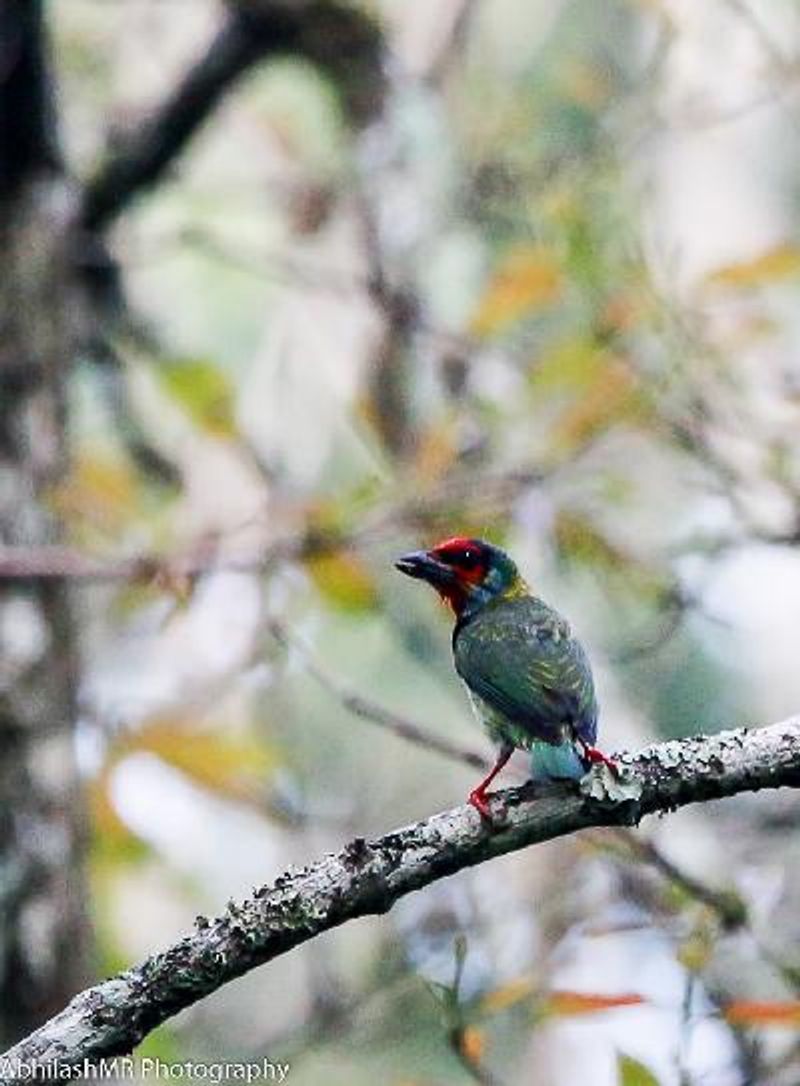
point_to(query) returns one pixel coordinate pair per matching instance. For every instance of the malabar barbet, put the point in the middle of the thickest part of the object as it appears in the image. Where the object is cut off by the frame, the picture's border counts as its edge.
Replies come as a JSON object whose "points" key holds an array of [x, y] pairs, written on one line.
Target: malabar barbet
{"points": [[528, 677]]}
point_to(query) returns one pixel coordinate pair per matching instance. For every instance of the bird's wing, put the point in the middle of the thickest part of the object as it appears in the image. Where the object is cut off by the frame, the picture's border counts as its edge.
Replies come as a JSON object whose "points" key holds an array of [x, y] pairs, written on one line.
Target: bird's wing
{"points": [[521, 659]]}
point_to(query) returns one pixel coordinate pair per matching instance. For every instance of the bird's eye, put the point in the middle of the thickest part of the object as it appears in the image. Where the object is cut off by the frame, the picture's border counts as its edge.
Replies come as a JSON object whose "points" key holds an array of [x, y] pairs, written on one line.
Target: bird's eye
{"points": [[469, 559]]}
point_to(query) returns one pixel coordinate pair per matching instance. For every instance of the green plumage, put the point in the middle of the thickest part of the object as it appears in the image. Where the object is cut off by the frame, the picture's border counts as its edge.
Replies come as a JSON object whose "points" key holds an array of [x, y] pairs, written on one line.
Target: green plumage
{"points": [[528, 677]]}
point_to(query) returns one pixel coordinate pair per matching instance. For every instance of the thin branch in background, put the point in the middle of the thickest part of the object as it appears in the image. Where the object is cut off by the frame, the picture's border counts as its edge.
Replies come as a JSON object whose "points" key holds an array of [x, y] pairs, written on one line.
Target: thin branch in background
{"points": [[145, 153], [368, 876], [66, 563], [733, 916], [399, 307], [289, 270], [250, 33], [419, 512], [465, 1041], [372, 711], [673, 616], [727, 904], [454, 46], [748, 1056], [685, 1031], [784, 65]]}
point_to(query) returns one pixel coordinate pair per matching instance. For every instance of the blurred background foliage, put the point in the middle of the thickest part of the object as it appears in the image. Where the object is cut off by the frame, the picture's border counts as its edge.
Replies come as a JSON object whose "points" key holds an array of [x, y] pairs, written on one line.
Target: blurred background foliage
{"points": [[546, 294]]}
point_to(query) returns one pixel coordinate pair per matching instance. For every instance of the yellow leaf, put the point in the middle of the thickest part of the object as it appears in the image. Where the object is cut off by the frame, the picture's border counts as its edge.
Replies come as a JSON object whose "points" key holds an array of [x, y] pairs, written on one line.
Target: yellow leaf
{"points": [[98, 496], [343, 580], [506, 996], [695, 952], [569, 366], [631, 1072], [230, 765], [204, 392], [113, 836], [776, 264], [527, 279], [749, 1012], [568, 1003]]}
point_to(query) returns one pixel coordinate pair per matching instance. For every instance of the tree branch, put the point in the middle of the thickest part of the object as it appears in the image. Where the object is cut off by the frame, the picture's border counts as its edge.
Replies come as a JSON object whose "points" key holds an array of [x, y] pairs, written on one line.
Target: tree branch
{"points": [[342, 41], [372, 711], [423, 511], [368, 876], [28, 141]]}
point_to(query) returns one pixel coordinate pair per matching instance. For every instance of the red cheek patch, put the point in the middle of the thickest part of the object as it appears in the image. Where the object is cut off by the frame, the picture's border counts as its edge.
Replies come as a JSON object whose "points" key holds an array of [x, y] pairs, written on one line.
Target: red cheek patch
{"points": [[474, 575], [454, 596]]}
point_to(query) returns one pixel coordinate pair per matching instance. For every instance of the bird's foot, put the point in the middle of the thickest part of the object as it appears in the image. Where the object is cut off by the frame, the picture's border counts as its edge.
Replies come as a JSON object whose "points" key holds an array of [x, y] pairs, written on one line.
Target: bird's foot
{"points": [[596, 757], [477, 799]]}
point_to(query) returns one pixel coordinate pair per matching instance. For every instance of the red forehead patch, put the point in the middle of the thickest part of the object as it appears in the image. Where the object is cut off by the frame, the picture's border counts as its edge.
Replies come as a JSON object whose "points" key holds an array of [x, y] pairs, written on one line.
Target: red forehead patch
{"points": [[467, 558], [455, 545]]}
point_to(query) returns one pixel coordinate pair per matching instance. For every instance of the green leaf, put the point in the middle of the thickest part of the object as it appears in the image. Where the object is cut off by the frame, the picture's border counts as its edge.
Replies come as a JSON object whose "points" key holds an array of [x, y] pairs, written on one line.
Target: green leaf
{"points": [[204, 391], [631, 1072]]}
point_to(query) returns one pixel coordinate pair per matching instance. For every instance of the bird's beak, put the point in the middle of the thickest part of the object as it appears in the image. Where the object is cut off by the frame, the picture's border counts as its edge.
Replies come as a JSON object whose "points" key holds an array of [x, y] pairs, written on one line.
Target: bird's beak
{"points": [[424, 567]]}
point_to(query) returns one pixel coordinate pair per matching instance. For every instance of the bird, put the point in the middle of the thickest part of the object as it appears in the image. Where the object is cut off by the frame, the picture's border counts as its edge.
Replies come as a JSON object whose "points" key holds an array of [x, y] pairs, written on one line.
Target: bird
{"points": [[527, 675]]}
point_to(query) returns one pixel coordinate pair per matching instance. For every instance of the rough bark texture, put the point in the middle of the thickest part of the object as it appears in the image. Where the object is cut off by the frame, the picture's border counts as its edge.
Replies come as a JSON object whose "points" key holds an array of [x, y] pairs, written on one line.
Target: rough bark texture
{"points": [[368, 876], [42, 927]]}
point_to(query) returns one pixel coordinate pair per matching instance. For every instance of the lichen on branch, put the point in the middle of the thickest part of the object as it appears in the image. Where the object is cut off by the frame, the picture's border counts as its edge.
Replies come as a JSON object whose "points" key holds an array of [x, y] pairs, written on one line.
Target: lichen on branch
{"points": [[368, 876]]}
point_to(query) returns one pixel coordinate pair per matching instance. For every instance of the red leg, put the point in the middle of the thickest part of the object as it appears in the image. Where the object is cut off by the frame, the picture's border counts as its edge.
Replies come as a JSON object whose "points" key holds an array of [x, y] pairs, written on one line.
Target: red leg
{"points": [[596, 757], [477, 796]]}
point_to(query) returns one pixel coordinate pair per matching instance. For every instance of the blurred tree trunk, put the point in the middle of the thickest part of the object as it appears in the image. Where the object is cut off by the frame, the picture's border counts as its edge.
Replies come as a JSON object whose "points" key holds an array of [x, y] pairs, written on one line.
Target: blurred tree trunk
{"points": [[57, 288], [43, 932]]}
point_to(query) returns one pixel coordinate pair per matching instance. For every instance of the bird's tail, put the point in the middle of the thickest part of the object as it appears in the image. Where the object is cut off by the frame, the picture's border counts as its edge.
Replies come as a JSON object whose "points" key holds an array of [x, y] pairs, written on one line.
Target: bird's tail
{"points": [[556, 762]]}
